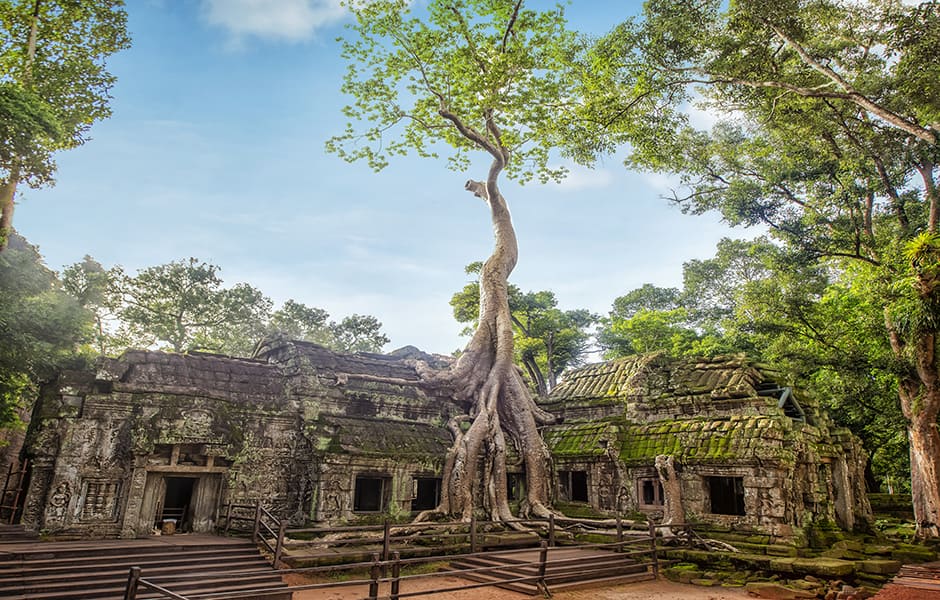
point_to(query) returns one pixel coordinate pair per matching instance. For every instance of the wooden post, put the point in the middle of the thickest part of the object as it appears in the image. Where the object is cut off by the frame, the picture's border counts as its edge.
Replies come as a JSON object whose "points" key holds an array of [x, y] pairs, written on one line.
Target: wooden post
{"points": [[396, 575], [620, 532], [374, 574], [279, 547], [386, 542], [130, 593], [551, 529], [473, 534], [255, 534], [543, 559], [228, 517], [653, 548]]}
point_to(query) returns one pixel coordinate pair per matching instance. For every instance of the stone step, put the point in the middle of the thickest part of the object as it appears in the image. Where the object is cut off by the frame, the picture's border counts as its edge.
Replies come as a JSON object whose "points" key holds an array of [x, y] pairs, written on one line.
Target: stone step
{"points": [[189, 565]]}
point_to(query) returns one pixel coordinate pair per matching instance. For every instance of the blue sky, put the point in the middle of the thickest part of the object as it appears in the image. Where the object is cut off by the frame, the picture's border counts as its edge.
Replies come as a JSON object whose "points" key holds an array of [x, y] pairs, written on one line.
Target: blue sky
{"points": [[215, 150]]}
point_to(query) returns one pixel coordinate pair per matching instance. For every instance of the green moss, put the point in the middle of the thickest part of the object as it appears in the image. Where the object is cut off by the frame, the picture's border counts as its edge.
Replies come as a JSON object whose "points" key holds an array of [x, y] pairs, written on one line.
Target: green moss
{"points": [[582, 439]]}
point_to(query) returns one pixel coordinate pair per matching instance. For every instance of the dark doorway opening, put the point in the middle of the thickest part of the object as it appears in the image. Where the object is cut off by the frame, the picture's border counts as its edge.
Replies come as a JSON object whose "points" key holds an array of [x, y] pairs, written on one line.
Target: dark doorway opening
{"points": [[176, 501], [371, 494], [574, 487], [727, 495], [427, 493]]}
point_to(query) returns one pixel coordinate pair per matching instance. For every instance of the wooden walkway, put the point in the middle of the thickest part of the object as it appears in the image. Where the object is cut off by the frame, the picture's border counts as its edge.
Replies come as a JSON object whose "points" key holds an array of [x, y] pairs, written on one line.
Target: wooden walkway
{"points": [[565, 568], [924, 576]]}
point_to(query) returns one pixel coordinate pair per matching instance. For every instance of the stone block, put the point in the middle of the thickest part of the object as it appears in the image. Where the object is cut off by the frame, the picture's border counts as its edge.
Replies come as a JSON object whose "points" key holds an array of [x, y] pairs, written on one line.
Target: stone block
{"points": [[776, 591], [879, 567]]}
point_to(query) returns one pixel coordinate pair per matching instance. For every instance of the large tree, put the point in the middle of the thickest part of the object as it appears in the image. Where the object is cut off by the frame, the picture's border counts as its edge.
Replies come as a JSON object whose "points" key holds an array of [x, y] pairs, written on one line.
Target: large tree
{"points": [[548, 340], [54, 84], [182, 305], [41, 326], [472, 76], [831, 144]]}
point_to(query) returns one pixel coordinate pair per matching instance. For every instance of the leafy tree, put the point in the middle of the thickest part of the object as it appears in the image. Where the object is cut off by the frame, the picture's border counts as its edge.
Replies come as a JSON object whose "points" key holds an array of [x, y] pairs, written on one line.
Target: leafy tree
{"points": [[833, 147], [54, 84], [183, 306], [94, 288], [548, 340], [40, 326], [474, 76], [301, 322], [357, 333]]}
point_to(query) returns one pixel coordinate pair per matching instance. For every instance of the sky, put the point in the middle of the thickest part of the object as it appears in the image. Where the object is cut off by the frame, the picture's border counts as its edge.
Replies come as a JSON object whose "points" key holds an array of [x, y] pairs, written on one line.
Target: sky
{"points": [[215, 150]]}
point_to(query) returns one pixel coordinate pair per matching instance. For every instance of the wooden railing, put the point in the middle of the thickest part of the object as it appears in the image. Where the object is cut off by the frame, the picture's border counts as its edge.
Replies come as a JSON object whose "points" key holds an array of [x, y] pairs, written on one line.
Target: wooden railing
{"points": [[386, 566], [450, 537], [11, 492]]}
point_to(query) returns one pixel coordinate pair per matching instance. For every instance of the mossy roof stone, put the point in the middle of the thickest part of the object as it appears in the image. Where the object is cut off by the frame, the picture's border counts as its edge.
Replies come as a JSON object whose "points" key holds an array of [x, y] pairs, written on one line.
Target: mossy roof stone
{"points": [[581, 439], [382, 438], [654, 383]]}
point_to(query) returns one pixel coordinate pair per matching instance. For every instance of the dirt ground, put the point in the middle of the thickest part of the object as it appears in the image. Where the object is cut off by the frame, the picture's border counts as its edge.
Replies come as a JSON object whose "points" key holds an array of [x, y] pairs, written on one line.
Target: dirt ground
{"points": [[646, 590], [896, 592]]}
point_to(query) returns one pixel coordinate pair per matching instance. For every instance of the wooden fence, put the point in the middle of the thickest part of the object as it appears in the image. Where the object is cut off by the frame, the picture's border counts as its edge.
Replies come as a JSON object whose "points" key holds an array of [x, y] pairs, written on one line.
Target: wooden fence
{"points": [[636, 540]]}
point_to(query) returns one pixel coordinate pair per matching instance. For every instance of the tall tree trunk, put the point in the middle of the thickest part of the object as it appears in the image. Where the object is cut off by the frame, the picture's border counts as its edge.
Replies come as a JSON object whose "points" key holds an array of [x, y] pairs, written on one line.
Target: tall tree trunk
{"points": [[919, 393], [7, 192], [487, 382], [925, 469], [8, 189]]}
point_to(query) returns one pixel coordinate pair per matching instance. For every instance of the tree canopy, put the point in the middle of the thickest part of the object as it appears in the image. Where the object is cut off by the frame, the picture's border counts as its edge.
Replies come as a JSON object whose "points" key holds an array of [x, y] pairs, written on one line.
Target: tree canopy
{"points": [[471, 76], [41, 326], [828, 141], [54, 84]]}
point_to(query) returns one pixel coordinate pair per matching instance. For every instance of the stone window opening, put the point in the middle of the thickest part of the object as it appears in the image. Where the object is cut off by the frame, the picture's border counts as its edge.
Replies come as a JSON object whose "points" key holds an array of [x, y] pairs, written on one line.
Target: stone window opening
{"points": [[574, 487], [650, 492], [372, 493], [425, 493], [726, 495]]}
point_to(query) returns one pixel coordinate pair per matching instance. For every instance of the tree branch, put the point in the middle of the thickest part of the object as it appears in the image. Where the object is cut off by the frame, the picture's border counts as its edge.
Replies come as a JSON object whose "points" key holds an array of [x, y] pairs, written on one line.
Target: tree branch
{"points": [[852, 94]]}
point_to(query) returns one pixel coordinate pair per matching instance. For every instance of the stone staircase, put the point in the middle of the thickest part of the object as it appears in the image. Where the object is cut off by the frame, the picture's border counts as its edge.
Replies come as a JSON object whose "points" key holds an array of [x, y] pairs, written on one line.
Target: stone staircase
{"points": [[188, 565], [15, 533], [565, 568]]}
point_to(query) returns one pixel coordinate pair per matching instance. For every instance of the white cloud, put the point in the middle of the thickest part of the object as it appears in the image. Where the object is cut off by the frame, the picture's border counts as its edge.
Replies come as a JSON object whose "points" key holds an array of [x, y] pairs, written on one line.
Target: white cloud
{"points": [[581, 178], [286, 20]]}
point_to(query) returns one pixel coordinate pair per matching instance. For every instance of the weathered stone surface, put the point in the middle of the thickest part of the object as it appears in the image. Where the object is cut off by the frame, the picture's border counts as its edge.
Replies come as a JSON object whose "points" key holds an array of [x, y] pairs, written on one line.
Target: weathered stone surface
{"points": [[775, 591], [879, 567], [722, 418], [822, 567], [327, 437]]}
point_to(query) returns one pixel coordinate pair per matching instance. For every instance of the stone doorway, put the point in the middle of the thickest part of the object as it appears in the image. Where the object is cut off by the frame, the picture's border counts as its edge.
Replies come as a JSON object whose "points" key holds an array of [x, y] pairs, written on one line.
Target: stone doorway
{"points": [[183, 482], [191, 500], [176, 503]]}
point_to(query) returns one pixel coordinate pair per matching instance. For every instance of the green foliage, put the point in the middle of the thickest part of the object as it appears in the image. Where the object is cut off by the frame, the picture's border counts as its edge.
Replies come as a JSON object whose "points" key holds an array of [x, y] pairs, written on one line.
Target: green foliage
{"points": [[827, 141], [27, 126], [56, 94], [40, 325], [547, 340], [183, 306], [469, 75], [357, 333]]}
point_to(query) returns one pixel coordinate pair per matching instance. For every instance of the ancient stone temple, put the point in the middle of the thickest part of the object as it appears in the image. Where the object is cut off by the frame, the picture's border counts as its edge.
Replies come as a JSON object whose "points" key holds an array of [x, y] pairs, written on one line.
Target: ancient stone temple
{"points": [[323, 437], [153, 436], [745, 451]]}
